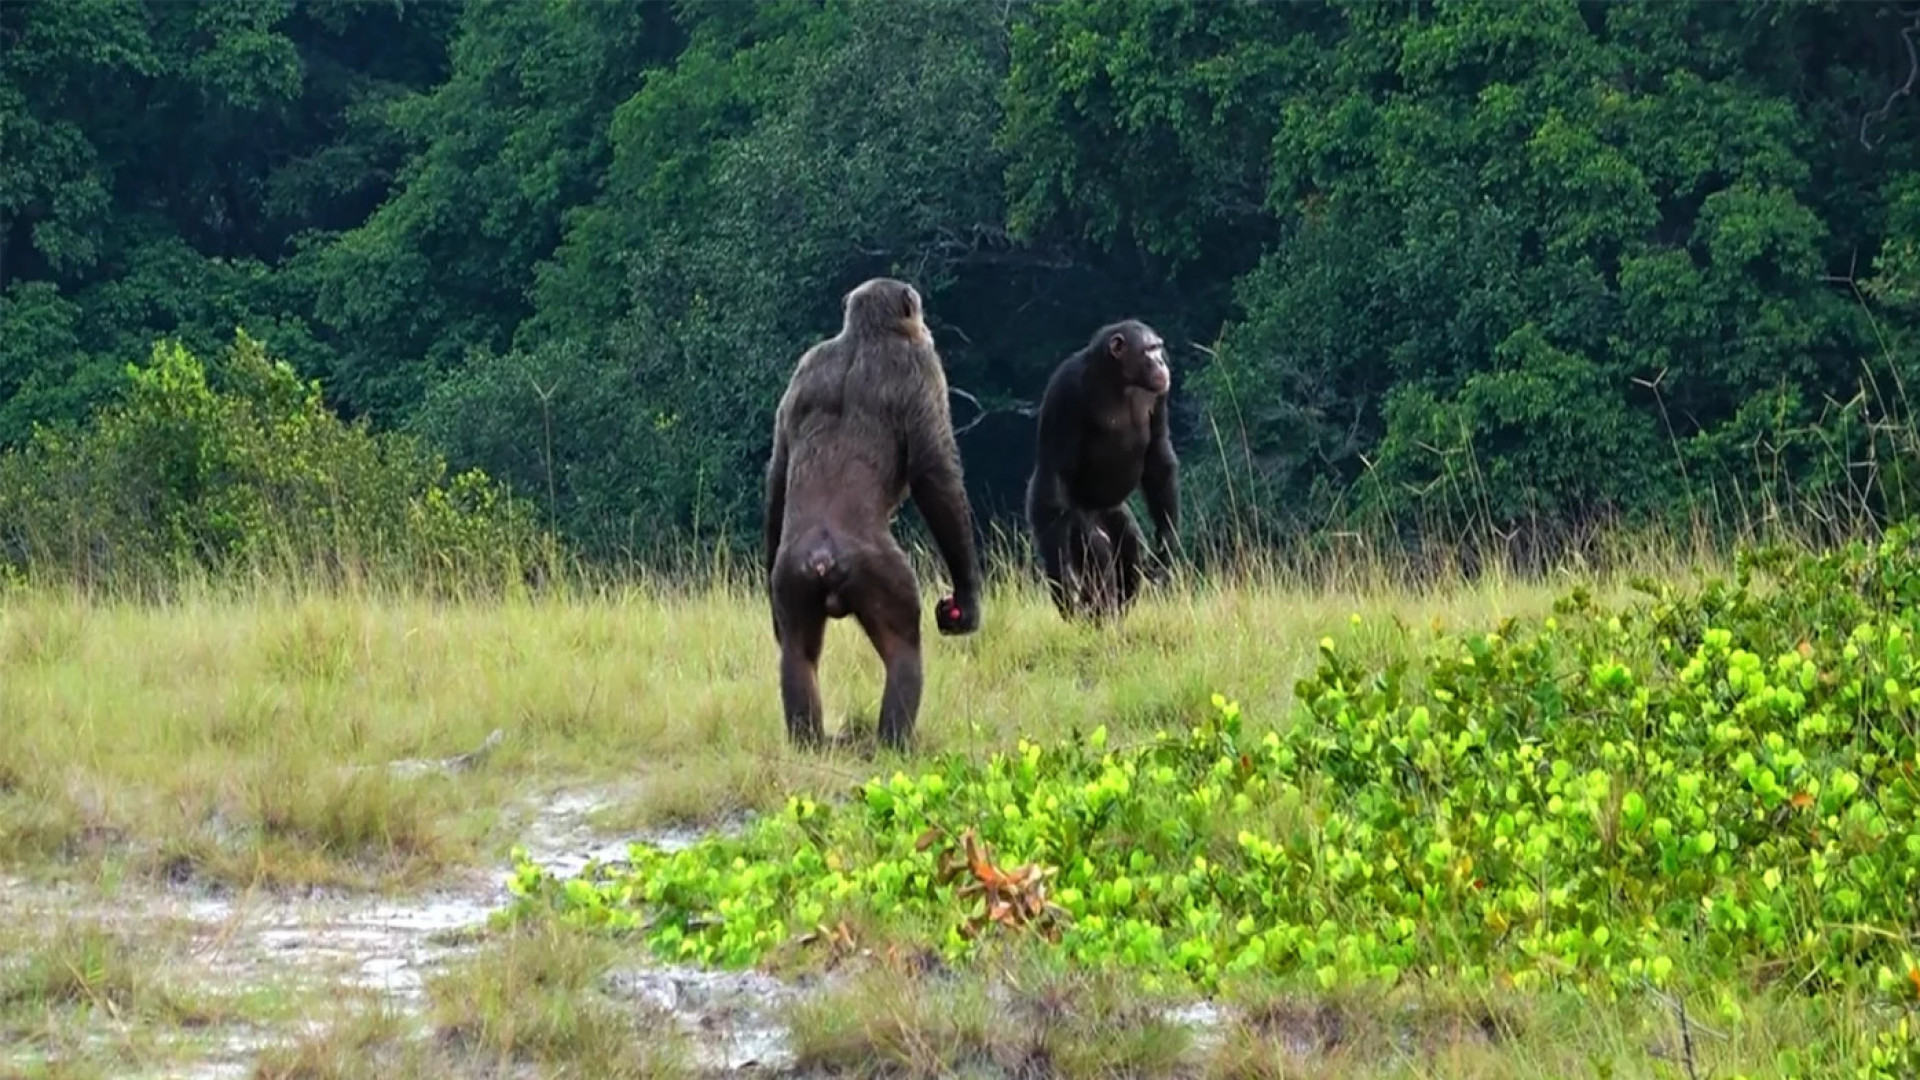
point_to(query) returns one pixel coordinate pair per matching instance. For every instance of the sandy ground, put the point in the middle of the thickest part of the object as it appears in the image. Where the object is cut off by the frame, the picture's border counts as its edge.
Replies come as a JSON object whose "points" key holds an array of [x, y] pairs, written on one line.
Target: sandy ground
{"points": [[391, 945]]}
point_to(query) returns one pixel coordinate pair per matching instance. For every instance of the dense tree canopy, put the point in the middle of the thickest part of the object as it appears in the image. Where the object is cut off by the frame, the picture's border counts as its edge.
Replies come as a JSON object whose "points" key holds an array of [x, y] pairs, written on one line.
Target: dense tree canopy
{"points": [[1461, 261]]}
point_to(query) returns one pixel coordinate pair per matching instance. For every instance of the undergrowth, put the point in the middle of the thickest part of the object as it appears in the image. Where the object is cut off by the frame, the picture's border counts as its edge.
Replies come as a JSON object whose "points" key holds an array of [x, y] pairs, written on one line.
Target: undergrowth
{"points": [[1716, 786]]}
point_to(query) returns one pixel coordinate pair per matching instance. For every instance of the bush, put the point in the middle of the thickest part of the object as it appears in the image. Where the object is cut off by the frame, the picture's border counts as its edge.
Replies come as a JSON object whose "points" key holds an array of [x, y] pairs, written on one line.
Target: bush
{"points": [[253, 473]]}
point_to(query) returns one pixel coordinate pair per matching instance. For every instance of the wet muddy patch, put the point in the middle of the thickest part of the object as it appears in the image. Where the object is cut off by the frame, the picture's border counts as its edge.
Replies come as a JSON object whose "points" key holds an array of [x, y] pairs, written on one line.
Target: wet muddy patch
{"points": [[326, 943], [733, 1018]]}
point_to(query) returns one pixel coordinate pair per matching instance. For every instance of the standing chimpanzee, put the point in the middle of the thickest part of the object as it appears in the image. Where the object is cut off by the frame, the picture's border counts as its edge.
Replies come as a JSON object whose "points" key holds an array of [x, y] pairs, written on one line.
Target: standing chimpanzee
{"points": [[1103, 432], [864, 422]]}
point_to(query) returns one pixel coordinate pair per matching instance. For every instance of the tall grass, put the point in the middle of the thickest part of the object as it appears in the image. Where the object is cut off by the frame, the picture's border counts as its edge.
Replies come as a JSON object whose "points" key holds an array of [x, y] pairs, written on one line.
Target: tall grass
{"points": [[242, 728]]}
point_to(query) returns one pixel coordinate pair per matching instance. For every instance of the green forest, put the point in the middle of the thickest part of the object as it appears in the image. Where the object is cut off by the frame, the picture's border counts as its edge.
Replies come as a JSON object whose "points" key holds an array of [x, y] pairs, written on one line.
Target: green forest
{"points": [[455, 273]]}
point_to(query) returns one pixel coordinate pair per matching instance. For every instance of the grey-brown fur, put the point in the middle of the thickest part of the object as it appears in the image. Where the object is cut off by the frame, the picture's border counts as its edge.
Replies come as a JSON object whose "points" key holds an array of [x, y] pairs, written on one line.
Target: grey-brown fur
{"points": [[864, 424]]}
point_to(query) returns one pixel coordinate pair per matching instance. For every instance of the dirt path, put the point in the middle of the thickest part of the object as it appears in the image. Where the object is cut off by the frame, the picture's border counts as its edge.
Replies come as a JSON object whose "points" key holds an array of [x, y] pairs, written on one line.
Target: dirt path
{"points": [[390, 946]]}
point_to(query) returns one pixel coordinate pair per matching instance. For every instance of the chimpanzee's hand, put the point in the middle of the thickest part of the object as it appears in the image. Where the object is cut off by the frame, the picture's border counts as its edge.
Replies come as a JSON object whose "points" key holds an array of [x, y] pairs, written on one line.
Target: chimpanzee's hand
{"points": [[957, 616]]}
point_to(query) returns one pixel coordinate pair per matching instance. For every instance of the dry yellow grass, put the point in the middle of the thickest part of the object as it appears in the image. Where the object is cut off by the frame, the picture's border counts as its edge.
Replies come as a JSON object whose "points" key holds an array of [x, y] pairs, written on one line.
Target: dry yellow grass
{"points": [[244, 734]]}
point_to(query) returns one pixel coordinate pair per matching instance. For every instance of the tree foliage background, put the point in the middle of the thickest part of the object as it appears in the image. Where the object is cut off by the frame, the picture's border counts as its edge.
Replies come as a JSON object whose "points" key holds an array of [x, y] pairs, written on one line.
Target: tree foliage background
{"points": [[1508, 265]]}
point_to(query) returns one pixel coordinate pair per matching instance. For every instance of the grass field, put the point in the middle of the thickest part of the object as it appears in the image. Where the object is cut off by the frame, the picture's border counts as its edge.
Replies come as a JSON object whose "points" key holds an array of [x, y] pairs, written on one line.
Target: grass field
{"points": [[194, 795]]}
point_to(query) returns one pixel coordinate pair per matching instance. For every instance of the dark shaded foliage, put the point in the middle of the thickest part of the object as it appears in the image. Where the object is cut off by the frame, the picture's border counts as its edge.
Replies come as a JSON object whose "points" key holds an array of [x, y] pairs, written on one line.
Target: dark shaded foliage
{"points": [[1448, 268]]}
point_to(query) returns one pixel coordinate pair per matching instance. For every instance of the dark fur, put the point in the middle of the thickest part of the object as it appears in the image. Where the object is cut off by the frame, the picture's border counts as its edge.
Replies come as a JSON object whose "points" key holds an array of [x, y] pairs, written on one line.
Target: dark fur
{"points": [[1103, 433], [864, 423]]}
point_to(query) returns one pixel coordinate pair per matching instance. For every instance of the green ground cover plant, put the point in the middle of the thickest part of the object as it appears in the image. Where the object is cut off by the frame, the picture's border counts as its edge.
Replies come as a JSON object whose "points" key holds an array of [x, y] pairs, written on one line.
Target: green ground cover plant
{"points": [[1712, 787]]}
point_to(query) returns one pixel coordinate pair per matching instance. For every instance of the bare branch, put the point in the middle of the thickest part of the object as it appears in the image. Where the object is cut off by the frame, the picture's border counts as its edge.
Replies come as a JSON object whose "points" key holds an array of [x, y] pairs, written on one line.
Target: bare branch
{"points": [[546, 423], [1017, 408], [1686, 1038], [1689, 1027], [975, 245], [1904, 89], [1351, 443], [1032, 260]]}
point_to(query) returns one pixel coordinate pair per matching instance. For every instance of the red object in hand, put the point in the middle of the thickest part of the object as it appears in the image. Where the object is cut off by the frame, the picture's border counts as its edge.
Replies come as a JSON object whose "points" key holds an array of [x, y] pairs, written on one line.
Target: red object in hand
{"points": [[947, 613]]}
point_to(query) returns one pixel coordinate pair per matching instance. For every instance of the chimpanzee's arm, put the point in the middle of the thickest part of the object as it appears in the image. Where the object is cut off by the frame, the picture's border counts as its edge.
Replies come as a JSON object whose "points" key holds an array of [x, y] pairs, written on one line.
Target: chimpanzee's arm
{"points": [[1161, 480], [1056, 454], [940, 494]]}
